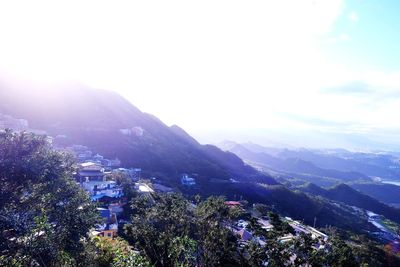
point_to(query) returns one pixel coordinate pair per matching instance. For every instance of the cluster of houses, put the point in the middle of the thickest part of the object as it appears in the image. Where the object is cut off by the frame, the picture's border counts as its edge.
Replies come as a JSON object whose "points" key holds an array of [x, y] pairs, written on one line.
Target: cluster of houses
{"points": [[94, 175], [245, 235], [84, 154], [96, 179], [187, 181], [134, 131]]}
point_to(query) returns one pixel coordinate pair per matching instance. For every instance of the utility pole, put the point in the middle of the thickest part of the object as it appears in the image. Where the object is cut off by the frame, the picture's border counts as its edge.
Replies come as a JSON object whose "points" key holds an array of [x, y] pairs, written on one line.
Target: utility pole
{"points": [[315, 220]]}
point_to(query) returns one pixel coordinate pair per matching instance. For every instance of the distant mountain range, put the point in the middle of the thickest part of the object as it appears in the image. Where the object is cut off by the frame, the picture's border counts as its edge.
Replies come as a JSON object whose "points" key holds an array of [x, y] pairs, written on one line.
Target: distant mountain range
{"points": [[337, 164], [326, 168], [291, 163]]}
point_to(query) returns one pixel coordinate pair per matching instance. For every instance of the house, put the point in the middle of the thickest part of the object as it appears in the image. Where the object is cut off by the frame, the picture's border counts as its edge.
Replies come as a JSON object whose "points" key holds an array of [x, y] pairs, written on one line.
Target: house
{"points": [[265, 224], [109, 225], [232, 204], [102, 191], [143, 188], [137, 131], [286, 238], [187, 181], [244, 235], [300, 228], [90, 171], [109, 193], [95, 186]]}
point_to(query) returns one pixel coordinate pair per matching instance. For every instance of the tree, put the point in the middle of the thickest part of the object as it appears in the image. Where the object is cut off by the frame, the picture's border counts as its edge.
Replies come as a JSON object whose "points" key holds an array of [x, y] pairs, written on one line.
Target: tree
{"points": [[256, 228], [306, 255], [277, 253], [262, 209], [183, 251], [256, 255], [280, 226], [173, 232], [44, 214], [217, 245], [159, 228], [341, 254], [107, 252]]}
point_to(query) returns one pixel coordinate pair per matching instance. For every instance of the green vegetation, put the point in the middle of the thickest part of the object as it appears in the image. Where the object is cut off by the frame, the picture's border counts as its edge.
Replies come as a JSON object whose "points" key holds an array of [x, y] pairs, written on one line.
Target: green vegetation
{"points": [[345, 194], [106, 252], [44, 215], [172, 232], [45, 218]]}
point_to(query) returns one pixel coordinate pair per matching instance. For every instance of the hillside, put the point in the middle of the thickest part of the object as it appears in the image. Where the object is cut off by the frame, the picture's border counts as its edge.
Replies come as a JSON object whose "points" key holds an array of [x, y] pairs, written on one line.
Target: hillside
{"points": [[95, 118], [387, 193], [296, 204], [346, 194]]}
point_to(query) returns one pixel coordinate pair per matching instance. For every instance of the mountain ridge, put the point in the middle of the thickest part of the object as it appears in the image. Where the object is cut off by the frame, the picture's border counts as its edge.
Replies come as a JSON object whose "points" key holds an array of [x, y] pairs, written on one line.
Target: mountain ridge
{"points": [[97, 119]]}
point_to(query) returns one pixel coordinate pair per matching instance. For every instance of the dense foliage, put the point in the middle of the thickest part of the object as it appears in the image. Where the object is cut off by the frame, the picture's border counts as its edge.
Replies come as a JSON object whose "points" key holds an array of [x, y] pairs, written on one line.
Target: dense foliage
{"points": [[43, 213], [172, 231]]}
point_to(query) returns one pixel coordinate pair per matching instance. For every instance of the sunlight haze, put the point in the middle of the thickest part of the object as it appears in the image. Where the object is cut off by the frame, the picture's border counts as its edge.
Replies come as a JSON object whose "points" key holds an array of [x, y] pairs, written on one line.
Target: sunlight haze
{"points": [[216, 67]]}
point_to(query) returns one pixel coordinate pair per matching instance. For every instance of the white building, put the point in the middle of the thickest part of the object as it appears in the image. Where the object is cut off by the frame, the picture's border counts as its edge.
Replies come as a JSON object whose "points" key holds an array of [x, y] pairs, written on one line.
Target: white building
{"points": [[188, 181]]}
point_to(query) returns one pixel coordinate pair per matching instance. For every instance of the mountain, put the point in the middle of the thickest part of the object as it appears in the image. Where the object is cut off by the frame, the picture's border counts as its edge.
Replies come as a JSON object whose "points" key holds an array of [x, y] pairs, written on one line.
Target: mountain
{"points": [[386, 193], [295, 165], [369, 164], [110, 125], [349, 196]]}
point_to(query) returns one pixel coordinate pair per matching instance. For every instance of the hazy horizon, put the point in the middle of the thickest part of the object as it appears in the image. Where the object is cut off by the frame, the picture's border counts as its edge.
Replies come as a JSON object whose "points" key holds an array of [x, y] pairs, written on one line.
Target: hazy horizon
{"points": [[300, 73]]}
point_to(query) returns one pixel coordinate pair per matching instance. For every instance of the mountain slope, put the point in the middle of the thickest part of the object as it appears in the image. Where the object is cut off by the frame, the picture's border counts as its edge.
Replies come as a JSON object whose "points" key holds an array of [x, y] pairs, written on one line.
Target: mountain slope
{"points": [[95, 118], [387, 193], [297, 205], [346, 194]]}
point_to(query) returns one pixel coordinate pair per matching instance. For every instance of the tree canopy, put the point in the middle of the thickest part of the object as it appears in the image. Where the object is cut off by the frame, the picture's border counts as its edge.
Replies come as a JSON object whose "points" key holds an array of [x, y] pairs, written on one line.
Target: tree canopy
{"points": [[44, 214]]}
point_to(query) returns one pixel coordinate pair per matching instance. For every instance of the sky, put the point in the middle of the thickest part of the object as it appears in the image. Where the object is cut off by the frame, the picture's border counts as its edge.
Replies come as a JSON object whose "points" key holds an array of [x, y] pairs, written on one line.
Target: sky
{"points": [[223, 69]]}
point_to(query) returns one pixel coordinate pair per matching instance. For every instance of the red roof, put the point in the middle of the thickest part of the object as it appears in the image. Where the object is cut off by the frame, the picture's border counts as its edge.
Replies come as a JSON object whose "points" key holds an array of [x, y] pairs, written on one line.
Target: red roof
{"points": [[233, 203]]}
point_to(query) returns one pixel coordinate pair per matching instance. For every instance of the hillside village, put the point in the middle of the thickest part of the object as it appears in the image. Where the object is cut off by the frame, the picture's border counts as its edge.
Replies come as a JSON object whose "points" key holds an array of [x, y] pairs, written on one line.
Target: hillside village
{"points": [[97, 176], [106, 182]]}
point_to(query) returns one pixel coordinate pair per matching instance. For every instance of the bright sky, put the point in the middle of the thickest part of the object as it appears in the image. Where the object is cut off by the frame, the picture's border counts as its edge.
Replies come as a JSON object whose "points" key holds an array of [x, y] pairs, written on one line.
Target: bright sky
{"points": [[222, 65]]}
